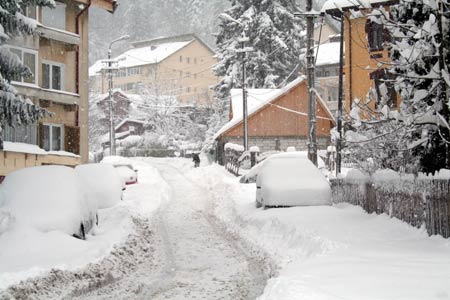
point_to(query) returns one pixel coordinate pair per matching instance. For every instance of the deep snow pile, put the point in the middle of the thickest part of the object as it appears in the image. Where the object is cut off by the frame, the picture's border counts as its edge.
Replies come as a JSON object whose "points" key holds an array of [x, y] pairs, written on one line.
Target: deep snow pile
{"points": [[337, 252], [26, 252]]}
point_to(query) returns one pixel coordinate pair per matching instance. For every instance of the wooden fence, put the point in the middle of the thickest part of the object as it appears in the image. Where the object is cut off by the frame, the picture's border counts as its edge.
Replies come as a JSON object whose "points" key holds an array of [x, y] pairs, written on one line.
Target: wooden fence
{"points": [[417, 202]]}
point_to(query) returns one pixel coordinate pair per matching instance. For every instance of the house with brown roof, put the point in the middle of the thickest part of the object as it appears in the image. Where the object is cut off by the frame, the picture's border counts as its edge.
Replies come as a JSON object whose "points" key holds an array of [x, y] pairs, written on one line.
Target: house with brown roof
{"points": [[277, 119], [178, 66], [58, 59]]}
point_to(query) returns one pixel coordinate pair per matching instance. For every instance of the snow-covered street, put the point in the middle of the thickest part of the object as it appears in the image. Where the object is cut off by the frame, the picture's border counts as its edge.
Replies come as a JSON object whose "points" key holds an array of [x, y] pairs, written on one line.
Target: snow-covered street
{"points": [[196, 234], [178, 251]]}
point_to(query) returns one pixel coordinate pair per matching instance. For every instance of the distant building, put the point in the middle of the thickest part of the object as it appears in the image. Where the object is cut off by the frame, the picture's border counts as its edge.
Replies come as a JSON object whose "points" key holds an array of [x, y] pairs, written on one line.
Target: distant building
{"points": [[58, 59], [277, 119], [327, 73], [179, 66]]}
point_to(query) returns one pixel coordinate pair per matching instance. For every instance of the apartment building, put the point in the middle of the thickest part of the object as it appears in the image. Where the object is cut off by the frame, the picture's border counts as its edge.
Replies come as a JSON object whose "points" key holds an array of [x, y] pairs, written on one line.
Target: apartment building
{"points": [[178, 66], [57, 56]]}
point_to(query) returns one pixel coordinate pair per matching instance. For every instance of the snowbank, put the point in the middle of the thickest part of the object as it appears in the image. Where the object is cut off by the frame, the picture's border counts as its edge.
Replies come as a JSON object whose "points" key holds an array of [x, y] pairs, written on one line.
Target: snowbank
{"points": [[26, 252], [331, 253]]}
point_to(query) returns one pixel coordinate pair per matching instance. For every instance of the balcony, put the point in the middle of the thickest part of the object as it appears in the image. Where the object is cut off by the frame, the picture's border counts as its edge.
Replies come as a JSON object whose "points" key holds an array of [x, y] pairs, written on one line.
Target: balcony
{"points": [[56, 96], [59, 35]]}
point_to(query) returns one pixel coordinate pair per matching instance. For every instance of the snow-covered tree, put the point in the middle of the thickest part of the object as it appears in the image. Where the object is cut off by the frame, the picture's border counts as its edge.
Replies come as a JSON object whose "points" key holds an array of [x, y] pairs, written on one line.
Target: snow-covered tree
{"points": [[417, 137], [275, 35], [421, 60], [14, 109]]}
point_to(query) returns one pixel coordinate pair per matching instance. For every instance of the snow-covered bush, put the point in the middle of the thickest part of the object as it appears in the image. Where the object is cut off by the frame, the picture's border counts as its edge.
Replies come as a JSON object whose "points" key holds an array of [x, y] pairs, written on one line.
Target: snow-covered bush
{"points": [[48, 198], [102, 184]]}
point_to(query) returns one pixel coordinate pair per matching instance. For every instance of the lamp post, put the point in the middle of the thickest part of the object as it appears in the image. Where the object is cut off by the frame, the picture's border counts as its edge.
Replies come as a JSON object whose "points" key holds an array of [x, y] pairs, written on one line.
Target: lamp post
{"points": [[112, 135], [244, 39]]}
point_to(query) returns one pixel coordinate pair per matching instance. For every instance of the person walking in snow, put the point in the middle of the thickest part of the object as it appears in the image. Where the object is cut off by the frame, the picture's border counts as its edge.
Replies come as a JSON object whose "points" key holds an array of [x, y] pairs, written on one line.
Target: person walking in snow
{"points": [[196, 160]]}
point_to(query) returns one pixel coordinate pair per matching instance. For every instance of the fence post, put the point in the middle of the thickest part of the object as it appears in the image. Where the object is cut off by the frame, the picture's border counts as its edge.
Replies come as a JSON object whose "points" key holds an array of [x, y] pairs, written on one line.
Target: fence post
{"points": [[371, 198], [253, 153]]}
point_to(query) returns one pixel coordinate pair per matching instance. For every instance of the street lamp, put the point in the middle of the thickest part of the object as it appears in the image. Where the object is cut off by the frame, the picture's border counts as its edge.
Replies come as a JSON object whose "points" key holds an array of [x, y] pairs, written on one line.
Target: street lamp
{"points": [[244, 39], [112, 135]]}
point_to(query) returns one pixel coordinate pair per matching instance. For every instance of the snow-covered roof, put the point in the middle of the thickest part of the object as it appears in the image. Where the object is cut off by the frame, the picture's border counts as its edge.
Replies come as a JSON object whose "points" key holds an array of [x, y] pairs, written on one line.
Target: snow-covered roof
{"points": [[149, 55], [128, 120], [328, 54], [141, 56], [95, 69], [342, 4], [256, 99]]}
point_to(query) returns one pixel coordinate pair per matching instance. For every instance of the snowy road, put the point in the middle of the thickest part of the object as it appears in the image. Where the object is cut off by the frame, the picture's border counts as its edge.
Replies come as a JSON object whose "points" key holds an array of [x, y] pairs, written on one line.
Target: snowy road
{"points": [[179, 253]]}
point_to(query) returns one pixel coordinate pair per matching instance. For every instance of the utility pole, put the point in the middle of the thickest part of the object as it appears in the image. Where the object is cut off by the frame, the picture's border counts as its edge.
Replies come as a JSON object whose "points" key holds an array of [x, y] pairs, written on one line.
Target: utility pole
{"points": [[112, 133], [244, 39], [340, 99], [312, 141]]}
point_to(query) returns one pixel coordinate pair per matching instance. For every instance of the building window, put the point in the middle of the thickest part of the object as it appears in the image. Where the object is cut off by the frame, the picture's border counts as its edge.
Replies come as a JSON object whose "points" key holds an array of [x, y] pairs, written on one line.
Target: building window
{"points": [[53, 75], [53, 137], [30, 11], [133, 71], [121, 73], [55, 17], [188, 60], [181, 59], [29, 59], [20, 134], [375, 35]]}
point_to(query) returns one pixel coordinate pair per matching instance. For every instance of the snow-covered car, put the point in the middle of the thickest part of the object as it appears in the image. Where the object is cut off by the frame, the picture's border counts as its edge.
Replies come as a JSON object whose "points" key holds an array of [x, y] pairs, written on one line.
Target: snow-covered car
{"points": [[102, 184], [127, 173], [291, 179], [48, 198], [251, 175]]}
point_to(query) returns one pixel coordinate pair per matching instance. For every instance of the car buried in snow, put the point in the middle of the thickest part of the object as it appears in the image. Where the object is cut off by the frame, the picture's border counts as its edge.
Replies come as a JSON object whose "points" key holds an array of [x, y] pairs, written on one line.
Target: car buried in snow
{"points": [[49, 198], [291, 179]]}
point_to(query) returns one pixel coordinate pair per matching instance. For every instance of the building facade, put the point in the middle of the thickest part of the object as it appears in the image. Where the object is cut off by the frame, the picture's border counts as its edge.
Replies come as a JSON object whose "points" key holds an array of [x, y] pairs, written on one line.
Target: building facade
{"points": [[179, 66], [277, 119], [58, 59], [365, 54]]}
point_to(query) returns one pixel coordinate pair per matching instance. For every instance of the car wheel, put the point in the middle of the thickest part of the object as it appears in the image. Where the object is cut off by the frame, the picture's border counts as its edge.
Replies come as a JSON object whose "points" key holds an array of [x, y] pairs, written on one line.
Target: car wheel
{"points": [[81, 233]]}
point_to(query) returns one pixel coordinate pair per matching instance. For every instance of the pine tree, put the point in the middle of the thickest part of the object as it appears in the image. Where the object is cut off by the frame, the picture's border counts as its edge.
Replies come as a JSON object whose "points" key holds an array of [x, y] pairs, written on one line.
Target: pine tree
{"points": [[274, 34], [14, 109]]}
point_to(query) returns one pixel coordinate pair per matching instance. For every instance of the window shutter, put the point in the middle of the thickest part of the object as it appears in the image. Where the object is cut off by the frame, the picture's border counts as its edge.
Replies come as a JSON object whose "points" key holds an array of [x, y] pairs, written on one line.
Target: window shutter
{"points": [[72, 139], [41, 135]]}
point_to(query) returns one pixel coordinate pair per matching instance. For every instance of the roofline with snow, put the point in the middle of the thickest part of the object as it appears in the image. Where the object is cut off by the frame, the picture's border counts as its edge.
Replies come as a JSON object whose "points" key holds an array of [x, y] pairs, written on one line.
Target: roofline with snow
{"points": [[177, 38]]}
